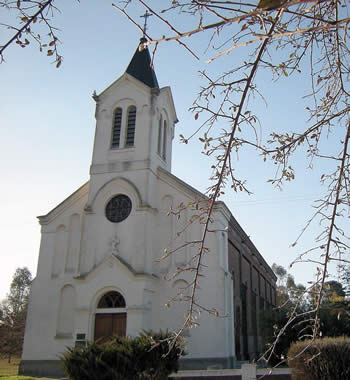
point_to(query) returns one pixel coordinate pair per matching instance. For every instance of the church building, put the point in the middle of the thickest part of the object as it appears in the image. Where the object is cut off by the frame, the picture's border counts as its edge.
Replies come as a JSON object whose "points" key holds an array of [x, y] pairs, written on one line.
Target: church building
{"points": [[98, 273]]}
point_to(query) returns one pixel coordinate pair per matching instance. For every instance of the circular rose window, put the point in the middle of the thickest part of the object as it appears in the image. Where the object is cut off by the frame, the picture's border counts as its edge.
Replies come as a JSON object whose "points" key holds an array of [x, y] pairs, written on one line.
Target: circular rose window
{"points": [[118, 208]]}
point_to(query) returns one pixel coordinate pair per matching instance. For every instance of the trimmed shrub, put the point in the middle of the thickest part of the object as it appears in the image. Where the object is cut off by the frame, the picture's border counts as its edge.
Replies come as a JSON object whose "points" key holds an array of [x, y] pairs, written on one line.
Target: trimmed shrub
{"points": [[148, 356], [154, 357], [321, 359], [107, 361]]}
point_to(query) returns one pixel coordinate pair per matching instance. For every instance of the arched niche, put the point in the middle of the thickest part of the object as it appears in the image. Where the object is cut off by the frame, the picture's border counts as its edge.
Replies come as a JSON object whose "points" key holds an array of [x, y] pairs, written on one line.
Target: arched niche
{"points": [[116, 186], [165, 233], [65, 318], [73, 244], [60, 247], [123, 103]]}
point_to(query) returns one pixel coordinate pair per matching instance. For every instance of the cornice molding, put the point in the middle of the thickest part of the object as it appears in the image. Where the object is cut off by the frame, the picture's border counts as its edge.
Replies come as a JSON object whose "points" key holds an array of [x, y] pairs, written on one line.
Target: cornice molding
{"points": [[115, 257], [176, 182], [64, 205]]}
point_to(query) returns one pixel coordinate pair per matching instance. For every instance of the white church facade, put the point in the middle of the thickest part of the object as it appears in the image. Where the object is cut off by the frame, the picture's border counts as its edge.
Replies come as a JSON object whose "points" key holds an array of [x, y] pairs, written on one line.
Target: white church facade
{"points": [[98, 273]]}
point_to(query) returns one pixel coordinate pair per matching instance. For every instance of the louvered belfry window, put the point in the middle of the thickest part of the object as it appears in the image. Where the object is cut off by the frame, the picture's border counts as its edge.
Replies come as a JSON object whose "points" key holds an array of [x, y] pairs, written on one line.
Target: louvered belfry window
{"points": [[164, 140], [130, 130], [159, 148], [111, 300], [117, 123]]}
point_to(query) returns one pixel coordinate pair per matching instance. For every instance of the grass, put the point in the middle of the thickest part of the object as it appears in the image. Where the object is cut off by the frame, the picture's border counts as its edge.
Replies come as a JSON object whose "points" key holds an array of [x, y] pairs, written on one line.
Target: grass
{"points": [[17, 378], [9, 369]]}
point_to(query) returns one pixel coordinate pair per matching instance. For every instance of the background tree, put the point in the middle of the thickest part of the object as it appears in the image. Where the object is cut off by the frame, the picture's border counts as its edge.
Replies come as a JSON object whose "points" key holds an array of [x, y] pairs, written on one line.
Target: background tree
{"points": [[29, 20], [335, 311], [346, 279], [290, 320], [13, 312], [286, 320], [287, 290], [334, 292]]}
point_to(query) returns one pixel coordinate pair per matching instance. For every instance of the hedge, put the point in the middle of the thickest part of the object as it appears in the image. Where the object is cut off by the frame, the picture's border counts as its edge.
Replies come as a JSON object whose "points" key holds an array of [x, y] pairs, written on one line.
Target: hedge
{"points": [[148, 356], [321, 359]]}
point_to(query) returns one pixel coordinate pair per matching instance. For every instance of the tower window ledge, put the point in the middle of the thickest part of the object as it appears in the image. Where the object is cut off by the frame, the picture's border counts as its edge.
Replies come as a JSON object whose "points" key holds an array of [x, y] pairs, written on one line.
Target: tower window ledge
{"points": [[127, 149]]}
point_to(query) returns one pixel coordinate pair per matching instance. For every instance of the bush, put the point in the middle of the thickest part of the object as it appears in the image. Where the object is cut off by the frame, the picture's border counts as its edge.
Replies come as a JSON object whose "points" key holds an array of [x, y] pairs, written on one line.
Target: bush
{"points": [[154, 357], [321, 359], [108, 361], [147, 356]]}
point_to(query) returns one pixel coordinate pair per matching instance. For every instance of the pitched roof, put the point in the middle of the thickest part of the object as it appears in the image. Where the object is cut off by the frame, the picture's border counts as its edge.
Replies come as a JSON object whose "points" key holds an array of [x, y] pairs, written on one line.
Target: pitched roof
{"points": [[140, 66]]}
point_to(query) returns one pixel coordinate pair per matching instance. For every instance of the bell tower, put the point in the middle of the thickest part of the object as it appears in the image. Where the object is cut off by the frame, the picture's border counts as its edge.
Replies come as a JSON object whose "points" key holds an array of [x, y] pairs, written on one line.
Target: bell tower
{"points": [[135, 121]]}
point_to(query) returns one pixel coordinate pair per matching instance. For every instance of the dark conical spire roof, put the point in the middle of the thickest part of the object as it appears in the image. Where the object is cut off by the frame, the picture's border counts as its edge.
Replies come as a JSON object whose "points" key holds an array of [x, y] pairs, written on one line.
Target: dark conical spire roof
{"points": [[140, 67]]}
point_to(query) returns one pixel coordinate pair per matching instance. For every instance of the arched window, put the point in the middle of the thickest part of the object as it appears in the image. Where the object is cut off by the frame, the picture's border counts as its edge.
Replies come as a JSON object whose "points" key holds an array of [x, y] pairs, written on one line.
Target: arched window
{"points": [[112, 322], [117, 123], [160, 136], [130, 130], [111, 300], [164, 140]]}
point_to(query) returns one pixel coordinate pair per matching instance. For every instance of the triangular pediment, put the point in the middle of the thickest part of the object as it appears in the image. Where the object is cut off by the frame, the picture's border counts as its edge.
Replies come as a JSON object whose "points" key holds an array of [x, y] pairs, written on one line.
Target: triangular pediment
{"points": [[121, 264], [124, 80]]}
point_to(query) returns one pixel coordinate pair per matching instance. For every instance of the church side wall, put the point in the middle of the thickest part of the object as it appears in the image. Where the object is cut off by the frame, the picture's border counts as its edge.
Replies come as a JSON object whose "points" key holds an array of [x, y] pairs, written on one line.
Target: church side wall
{"points": [[254, 283], [212, 341]]}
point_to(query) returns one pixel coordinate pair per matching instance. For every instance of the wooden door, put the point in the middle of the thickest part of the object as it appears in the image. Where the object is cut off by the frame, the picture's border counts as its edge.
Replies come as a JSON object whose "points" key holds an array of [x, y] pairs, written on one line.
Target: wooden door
{"points": [[108, 325]]}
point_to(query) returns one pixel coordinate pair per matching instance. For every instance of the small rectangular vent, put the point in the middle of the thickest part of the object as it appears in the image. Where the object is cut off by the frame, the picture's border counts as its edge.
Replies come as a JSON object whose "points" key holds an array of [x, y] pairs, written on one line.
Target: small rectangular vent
{"points": [[80, 340]]}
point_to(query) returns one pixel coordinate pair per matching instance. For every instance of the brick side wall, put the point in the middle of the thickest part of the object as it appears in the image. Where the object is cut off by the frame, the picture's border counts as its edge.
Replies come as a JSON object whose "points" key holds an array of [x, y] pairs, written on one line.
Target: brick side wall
{"points": [[233, 377], [211, 378], [254, 281]]}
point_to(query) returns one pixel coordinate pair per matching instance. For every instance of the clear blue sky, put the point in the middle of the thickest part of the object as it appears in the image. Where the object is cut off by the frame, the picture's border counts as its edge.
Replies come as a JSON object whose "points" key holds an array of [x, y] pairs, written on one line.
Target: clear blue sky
{"points": [[47, 128]]}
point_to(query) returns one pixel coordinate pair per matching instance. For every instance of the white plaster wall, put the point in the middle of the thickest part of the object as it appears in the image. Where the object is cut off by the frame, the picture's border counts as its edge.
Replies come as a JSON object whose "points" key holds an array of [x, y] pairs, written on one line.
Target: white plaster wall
{"points": [[211, 339], [73, 248], [145, 298], [86, 264], [113, 275], [66, 311], [106, 162], [49, 312], [131, 232], [123, 93], [42, 319]]}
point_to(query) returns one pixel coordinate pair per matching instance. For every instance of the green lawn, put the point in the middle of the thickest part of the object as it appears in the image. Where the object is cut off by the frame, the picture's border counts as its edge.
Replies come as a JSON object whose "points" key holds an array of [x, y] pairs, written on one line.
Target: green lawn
{"points": [[9, 369], [17, 378]]}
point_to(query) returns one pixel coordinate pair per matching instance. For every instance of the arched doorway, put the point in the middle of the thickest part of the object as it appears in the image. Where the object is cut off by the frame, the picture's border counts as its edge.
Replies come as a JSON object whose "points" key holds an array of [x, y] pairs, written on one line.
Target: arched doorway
{"points": [[110, 318]]}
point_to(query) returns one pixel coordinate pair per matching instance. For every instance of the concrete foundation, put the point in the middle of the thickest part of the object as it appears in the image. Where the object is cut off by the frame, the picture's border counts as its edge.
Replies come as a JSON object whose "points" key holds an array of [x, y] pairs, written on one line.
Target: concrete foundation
{"points": [[41, 368], [206, 363]]}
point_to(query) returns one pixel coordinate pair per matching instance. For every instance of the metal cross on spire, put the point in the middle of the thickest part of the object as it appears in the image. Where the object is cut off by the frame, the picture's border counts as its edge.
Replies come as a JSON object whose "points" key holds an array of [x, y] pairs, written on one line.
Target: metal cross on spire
{"points": [[146, 15]]}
